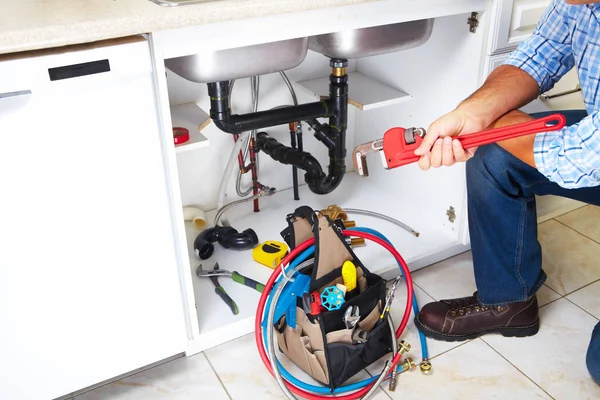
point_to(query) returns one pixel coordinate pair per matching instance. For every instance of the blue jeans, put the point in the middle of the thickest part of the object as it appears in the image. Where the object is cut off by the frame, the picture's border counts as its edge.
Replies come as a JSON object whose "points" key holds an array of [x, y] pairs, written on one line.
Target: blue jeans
{"points": [[507, 256]]}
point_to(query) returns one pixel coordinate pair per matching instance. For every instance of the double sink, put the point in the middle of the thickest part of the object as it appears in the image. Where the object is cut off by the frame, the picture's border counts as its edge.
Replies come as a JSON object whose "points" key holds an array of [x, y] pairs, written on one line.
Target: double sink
{"points": [[272, 57]]}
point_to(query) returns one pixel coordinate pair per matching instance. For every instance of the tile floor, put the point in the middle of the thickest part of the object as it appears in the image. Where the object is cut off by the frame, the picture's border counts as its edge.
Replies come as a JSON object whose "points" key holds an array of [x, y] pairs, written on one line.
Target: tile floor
{"points": [[549, 365]]}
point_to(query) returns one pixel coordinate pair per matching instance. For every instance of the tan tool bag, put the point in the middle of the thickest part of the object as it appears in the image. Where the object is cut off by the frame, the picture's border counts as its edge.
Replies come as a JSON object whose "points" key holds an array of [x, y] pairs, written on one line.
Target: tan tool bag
{"points": [[322, 345]]}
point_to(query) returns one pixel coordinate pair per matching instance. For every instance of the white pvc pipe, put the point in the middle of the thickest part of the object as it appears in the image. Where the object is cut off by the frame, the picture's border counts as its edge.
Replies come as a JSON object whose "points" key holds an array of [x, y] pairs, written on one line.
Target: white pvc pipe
{"points": [[196, 215]]}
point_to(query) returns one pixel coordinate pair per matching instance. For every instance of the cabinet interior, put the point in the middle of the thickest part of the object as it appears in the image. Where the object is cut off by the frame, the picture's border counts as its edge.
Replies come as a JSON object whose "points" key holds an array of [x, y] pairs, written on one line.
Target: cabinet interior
{"points": [[430, 80]]}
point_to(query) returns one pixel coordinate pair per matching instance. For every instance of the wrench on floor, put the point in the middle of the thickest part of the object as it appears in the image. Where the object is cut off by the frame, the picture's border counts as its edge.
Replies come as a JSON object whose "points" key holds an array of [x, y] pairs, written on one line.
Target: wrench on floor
{"points": [[398, 144]]}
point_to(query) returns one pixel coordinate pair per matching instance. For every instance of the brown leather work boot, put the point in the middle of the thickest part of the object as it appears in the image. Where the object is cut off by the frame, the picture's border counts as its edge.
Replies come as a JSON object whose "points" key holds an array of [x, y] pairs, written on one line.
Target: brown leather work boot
{"points": [[465, 318]]}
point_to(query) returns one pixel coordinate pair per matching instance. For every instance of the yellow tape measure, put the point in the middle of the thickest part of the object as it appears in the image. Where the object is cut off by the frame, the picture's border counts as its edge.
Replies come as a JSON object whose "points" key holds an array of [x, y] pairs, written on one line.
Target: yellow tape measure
{"points": [[270, 253]]}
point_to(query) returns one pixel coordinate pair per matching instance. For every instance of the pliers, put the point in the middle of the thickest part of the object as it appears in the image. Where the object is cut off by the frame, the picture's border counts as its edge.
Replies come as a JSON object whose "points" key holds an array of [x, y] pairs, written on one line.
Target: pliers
{"points": [[216, 272], [398, 144]]}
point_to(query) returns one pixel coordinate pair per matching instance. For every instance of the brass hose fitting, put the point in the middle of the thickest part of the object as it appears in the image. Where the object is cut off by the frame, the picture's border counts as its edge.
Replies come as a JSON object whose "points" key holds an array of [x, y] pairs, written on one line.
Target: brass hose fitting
{"points": [[355, 241], [425, 366], [407, 364], [403, 347]]}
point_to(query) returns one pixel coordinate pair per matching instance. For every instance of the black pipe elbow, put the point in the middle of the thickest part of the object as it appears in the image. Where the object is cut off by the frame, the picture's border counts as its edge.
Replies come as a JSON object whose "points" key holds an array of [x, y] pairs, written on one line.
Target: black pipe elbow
{"points": [[315, 178], [289, 156], [227, 237], [327, 185], [227, 126]]}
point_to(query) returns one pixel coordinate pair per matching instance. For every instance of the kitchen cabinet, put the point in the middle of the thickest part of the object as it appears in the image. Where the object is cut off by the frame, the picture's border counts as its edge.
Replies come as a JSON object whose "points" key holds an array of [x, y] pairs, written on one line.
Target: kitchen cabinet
{"points": [[89, 284], [423, 83], [512, 22]]}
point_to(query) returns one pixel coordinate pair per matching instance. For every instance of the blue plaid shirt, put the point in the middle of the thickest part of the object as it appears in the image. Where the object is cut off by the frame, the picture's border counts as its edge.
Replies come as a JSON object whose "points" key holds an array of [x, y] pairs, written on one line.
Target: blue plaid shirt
{"points": [[567, 36]]}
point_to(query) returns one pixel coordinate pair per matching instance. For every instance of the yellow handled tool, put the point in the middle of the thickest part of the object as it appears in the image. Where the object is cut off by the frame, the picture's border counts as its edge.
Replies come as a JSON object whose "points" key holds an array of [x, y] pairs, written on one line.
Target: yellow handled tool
{"points": [[349, 275]]}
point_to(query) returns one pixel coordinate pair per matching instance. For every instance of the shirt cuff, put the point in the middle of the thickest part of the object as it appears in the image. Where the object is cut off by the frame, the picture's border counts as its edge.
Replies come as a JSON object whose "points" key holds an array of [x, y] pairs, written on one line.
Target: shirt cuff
{"points": [[546, 147]]}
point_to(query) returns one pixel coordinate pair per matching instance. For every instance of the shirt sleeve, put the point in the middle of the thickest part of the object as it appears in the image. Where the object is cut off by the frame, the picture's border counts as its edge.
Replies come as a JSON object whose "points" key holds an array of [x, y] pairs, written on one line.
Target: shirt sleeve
{"points": [[546, 55], [571, 157]]}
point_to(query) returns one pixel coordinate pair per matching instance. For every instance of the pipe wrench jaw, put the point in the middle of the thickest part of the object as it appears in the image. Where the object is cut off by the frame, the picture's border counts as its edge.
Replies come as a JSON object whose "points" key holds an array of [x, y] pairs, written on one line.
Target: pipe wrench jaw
{"points": [[399, 145]]}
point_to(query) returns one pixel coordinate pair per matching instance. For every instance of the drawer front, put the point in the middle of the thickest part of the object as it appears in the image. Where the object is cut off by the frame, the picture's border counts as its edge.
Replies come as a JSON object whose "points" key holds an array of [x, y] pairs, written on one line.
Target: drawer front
{"points": [[515, 21], [557, 101]]}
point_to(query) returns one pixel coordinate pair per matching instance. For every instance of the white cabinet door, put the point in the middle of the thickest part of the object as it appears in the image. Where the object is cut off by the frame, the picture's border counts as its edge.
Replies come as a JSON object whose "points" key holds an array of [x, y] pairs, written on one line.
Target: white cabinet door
{"points": [[88, 271], [514, 22]]}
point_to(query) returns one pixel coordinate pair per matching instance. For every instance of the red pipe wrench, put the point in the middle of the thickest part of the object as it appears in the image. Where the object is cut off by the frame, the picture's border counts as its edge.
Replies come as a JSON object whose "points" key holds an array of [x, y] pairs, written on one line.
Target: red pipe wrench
{"points": [[398, 144]]}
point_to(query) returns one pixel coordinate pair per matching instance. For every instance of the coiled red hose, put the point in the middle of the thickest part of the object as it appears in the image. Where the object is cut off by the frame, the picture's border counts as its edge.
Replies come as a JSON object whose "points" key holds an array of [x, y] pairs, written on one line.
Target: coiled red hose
{"points": [[269, 286]]}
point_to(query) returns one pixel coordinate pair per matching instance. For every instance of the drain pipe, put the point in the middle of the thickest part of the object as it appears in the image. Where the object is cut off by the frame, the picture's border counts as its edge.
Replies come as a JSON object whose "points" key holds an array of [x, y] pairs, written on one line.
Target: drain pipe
{"points": [[221, 115], [332, 135]]}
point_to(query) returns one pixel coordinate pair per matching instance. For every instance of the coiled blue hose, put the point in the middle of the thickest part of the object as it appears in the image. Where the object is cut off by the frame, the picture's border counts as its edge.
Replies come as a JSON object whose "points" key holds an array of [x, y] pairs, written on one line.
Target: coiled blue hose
{"points": [[322, 389]]}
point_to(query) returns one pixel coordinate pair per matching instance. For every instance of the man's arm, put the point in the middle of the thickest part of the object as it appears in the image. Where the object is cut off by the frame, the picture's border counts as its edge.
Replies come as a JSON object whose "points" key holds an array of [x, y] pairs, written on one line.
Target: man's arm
{"points": [[507, 88], [537, 64]]}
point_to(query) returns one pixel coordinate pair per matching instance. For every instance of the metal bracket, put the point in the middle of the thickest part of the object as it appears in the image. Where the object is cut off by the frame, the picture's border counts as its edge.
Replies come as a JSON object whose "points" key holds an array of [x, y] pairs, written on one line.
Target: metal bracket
{"points": [[473, 22], [552, 96]]}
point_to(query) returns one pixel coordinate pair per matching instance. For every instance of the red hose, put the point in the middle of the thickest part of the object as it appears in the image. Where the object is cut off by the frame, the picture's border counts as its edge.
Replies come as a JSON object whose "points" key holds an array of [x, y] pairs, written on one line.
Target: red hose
{"points": [[269, 285]]}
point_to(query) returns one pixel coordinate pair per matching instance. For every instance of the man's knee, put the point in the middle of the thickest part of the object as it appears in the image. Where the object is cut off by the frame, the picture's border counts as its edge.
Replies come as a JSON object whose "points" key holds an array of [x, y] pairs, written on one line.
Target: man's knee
{"points": [[488, 163]]}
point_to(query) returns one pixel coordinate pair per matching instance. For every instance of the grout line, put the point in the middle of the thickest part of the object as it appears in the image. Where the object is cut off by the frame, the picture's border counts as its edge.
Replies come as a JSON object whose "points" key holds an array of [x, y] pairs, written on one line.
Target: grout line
{"points": [[517, 368], [583, 287], [583, 309], [550, 302], [449, 350], [575, 230], [217, 375], [424, 291]]}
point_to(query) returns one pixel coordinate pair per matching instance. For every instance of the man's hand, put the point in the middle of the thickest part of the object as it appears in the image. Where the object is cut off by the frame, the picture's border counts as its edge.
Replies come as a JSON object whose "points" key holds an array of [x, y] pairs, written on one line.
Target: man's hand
{"points": [[439, 148]]}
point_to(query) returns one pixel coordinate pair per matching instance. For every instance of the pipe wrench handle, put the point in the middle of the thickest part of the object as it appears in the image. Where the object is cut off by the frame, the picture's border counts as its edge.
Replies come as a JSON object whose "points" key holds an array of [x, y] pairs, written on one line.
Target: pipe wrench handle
{"points": [[549, 123], [396, 152]]}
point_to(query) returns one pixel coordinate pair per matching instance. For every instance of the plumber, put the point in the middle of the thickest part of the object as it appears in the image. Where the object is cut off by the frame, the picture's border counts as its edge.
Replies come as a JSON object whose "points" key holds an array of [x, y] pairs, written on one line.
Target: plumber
{"points": [[503, 178]]}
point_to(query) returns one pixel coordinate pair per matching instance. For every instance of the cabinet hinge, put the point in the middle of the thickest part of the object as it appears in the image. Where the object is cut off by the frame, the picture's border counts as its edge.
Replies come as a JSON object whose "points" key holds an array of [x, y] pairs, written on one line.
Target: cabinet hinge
{"points": [[473, 22]]}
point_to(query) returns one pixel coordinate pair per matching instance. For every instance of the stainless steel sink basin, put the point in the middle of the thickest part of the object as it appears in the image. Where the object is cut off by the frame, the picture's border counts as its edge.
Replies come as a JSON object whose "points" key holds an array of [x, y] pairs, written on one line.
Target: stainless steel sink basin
{"points": [[366, 42], [241, 62]]}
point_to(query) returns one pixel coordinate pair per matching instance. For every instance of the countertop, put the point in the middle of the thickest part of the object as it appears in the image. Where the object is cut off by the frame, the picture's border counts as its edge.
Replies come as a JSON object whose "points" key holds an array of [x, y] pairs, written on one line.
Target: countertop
{"points": [[38, 24]]}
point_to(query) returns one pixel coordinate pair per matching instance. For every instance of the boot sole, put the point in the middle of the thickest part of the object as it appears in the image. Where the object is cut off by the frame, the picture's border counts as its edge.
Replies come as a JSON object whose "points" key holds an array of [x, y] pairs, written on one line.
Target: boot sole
{"points": [[513, 331]]}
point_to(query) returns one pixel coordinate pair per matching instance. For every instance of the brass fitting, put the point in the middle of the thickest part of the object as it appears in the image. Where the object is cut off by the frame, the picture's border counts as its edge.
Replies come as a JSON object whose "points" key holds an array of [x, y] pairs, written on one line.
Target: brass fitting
{"points": [[425, 366], [351, 224], [407, 364], [355, 241], [403, 347], [338, 71], [335, 212], [394, 380]]}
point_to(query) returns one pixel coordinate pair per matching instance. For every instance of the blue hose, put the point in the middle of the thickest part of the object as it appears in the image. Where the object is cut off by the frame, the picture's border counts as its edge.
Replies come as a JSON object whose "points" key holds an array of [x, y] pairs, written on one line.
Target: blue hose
{"points": [[322, 389], [284, 373]]}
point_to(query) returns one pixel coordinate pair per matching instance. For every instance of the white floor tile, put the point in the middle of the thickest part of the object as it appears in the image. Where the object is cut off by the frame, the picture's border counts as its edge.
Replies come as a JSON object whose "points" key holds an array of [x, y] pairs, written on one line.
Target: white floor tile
{"points": [[454, 278], [449, 278], [584, 220], [588, 298], [242, 372], [245, 377], [546, 295], [471, 371], [187, 378], [569, 258], [555, 357]]}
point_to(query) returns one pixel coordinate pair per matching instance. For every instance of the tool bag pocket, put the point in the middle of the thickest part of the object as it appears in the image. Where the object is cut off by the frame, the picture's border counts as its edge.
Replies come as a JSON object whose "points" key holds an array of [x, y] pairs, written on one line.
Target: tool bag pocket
{"points": [[343, 353]]}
